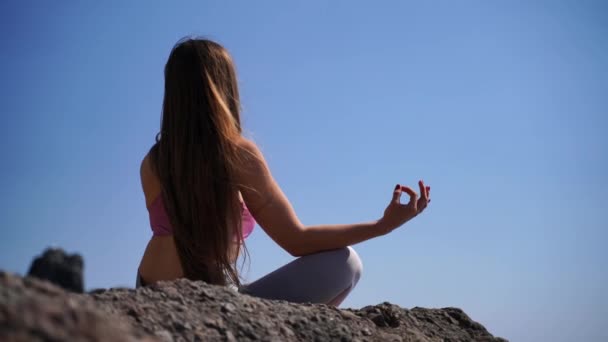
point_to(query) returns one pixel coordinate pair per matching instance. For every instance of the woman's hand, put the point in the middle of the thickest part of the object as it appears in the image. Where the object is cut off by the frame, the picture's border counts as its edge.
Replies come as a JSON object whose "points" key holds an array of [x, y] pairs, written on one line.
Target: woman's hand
{"points": [[396, 214]]}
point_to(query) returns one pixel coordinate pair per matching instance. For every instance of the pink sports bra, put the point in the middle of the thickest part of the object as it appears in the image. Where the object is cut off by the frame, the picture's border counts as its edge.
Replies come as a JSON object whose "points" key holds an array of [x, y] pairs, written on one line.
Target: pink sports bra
{"points": [[159, 221]]}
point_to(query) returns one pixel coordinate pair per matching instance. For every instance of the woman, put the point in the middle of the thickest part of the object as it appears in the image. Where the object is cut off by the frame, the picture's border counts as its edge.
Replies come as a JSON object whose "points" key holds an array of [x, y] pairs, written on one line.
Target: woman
{"points": [[205, 184]]}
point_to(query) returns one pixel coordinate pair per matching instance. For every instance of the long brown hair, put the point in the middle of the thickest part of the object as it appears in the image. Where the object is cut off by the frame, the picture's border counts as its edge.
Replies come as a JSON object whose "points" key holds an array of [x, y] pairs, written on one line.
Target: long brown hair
{"points": [[196, 155]]}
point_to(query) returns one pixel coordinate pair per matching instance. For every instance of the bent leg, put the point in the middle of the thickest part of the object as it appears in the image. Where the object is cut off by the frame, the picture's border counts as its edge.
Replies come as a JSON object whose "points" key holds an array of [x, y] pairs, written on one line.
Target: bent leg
{"points": [[326, 277]]}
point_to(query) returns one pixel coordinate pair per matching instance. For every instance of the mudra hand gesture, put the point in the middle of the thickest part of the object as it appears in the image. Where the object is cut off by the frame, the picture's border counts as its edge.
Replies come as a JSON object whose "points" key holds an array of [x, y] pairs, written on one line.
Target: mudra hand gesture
{"points": [[396, 214]]}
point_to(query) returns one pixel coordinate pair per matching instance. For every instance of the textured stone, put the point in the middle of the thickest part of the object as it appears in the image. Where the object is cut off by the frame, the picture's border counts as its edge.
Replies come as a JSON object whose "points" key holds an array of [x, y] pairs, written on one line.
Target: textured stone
{"points": [[31, 309], [35, 310], [60, 268]]}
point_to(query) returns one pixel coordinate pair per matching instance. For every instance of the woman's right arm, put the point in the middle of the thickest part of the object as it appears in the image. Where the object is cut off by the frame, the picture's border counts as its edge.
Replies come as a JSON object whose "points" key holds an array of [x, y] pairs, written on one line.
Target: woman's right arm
{"points": [[274, 213]]}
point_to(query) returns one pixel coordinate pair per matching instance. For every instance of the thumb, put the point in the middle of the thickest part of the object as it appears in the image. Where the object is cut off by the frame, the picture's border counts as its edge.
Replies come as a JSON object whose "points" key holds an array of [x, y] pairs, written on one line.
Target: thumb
{"points": [[397, 194]]}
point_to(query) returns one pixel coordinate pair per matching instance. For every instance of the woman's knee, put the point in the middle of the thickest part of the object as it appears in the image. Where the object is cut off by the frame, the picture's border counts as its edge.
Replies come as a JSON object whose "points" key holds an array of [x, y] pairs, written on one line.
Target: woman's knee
{"points": [[349, 263], [317, 278], [354, 264], [353, 267]]}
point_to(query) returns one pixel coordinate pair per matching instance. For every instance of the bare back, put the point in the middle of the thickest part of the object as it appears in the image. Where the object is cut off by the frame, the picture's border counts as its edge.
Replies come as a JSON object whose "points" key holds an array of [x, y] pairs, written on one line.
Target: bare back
{"points": [[160, 260], [262, 195]]}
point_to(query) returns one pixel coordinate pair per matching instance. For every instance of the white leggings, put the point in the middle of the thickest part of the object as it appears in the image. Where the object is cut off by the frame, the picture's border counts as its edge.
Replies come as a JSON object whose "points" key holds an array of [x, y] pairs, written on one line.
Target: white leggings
{"points": [[325, 277]]}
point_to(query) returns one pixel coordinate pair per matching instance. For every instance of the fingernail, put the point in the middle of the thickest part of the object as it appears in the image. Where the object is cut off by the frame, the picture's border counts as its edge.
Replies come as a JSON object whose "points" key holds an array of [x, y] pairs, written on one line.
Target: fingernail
{"points": [[397, 187]]}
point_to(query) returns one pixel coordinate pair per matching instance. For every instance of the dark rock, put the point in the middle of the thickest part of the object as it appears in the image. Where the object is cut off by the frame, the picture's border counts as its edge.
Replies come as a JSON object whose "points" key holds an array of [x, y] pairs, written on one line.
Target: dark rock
{"points": [[60, 268], [184, 310], [383, 315], [33, 310]]}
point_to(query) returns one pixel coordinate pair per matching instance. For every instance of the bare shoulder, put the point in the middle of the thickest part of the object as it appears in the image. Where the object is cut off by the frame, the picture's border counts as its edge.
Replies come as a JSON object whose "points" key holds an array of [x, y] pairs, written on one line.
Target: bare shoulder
{"points": [[144, 168], [253, 174], [251, 156], [149, 182], [249, 148]]}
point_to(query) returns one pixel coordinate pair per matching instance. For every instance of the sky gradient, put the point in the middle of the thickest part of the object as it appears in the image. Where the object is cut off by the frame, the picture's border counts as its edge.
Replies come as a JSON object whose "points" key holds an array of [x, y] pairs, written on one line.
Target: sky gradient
{"points": [[500, 106]]}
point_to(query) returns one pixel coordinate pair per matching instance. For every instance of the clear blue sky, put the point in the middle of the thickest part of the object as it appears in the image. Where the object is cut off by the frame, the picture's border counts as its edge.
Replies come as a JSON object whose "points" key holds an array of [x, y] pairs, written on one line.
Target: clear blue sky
{"points": [[500, 106]]}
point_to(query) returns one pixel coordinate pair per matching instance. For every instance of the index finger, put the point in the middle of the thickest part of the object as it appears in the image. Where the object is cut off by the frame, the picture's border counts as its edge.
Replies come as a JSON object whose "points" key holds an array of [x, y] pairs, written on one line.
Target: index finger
{"points": [[412, 193]]}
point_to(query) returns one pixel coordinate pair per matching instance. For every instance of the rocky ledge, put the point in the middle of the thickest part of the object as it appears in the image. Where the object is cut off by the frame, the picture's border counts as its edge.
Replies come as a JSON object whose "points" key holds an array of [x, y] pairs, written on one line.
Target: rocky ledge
{"points": [[32, 309]]}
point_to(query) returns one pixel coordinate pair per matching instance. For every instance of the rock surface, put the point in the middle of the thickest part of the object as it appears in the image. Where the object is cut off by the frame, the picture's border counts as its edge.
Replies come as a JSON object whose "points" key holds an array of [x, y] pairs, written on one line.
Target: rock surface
{"points": [[60, 268], [183, 310], [36, 310]]}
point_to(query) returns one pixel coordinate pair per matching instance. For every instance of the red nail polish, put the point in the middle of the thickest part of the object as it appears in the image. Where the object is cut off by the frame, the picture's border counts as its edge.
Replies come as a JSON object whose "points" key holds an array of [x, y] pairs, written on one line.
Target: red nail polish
{"points": [[397, 187]]}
